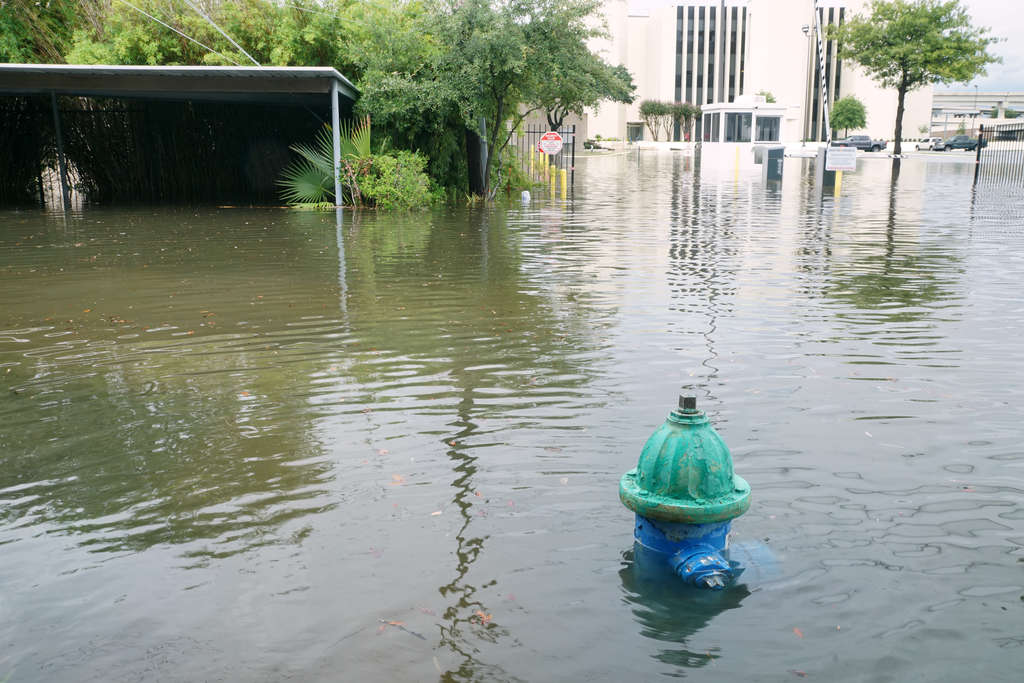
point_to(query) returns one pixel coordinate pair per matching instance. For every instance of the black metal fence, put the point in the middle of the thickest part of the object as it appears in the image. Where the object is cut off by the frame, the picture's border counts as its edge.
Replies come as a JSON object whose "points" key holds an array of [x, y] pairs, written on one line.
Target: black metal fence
{"points": [[537, 167], [1000, 154]]}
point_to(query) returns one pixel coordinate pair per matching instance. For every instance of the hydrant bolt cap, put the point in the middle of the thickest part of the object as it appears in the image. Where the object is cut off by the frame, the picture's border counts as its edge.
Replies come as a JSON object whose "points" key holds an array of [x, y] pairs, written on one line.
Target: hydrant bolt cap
{"points": [[688, 403]]}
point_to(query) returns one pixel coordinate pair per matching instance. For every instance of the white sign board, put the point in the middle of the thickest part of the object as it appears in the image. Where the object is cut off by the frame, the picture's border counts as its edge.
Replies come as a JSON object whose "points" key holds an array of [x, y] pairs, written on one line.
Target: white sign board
{"points": [[841, 159], [550, 143]]}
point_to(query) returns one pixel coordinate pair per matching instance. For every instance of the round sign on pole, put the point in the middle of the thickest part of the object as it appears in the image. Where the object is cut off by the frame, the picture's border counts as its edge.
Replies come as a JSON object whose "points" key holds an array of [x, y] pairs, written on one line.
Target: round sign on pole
{"points": [[550, 142]]}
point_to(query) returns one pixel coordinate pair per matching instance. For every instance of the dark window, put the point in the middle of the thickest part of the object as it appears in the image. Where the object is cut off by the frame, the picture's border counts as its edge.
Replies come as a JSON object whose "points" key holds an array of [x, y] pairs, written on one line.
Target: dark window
{"points": [[715, 128], [737, 127], [689, 53], [743, 48], [732, 54], [723, 43], [710, 78], [679, 53], [700, 55], [768, 128]]}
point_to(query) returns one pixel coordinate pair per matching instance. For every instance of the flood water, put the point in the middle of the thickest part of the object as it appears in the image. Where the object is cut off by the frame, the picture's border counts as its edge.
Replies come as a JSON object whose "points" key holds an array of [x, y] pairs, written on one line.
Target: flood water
{"points": [[254, 445]]}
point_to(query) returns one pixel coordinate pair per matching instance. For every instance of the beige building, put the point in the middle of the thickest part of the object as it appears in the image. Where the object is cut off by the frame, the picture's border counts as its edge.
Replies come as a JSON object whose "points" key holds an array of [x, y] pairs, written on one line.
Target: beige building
{"points": [[712, 52]]}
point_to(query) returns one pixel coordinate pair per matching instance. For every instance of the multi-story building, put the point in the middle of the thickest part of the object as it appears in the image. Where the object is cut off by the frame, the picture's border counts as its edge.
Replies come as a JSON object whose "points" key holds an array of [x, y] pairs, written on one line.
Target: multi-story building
{"points": [[714, 51]]}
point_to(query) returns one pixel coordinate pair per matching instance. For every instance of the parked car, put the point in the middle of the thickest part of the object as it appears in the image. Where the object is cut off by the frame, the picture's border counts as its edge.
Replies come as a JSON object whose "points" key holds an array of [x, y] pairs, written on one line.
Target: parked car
{"points": [[960, 142], [928, 143], [861, 142]]}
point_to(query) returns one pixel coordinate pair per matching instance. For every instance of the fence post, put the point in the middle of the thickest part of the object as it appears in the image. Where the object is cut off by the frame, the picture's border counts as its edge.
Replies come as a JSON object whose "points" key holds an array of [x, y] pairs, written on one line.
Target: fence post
{"points": [[572, 164], [977, 150]]}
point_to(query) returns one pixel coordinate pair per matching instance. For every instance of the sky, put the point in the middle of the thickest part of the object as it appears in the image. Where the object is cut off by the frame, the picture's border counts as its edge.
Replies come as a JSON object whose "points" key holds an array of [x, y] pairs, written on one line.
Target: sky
{"points": [[1005, 20]]}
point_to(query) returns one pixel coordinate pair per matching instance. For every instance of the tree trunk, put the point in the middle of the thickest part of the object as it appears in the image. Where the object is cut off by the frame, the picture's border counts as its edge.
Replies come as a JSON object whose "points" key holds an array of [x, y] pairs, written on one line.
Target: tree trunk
{"points": [[491, 137], [897, 147], [474, 158], [555, 119]]}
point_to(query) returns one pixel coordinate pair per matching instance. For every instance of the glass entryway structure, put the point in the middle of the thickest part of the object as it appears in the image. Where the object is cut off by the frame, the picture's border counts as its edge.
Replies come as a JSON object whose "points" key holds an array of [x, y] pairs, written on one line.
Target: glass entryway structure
{"points": [[748, 119]]}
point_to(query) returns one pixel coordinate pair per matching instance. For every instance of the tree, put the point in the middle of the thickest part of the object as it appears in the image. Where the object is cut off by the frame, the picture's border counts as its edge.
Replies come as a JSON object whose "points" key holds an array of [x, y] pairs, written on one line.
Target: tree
{"points": [[683, 114], [848, 113], [578, 79], [1011, 113], [768, 97], [906, 45], [650, 114], [495, 55]]}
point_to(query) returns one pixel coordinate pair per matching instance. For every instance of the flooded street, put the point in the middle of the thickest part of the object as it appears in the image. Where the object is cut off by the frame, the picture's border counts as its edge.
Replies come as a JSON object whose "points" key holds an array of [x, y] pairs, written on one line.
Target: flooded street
{"points": [[260, 444]]}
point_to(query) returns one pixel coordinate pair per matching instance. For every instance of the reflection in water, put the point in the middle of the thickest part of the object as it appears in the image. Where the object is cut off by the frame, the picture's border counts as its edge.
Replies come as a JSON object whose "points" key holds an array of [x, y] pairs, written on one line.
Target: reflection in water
{"points": [[902, 282], [276, 400], [467, 612], [699, 275], [670, 611]]}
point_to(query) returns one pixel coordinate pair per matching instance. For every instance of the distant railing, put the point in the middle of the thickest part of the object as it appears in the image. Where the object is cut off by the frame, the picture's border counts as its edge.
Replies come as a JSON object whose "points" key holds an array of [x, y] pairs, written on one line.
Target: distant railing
{"points": [[1000, 154]]}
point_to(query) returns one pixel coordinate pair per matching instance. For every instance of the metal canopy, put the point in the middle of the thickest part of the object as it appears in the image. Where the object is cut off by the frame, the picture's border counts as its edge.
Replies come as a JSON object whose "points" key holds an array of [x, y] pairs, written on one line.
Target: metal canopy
{"points": [[284, 85], [262, 84]]}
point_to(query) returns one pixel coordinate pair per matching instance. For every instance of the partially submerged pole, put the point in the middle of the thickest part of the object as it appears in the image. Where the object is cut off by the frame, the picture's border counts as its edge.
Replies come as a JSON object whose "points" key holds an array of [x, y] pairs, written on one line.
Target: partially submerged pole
{"points": [[336, 134], [65, 191]]}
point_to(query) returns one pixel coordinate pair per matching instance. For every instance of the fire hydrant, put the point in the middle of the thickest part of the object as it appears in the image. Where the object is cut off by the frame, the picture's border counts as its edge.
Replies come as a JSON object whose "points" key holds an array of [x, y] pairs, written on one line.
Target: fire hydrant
{"points": [[685, 495]]}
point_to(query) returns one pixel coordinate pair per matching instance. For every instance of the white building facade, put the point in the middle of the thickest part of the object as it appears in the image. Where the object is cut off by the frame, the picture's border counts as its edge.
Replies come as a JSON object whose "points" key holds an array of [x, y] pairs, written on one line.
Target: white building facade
{"points": [[710, 52]]}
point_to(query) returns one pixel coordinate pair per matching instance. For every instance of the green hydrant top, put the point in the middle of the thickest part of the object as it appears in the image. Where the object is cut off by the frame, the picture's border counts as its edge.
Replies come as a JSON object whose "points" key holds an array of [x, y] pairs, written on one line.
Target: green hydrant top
{"points": [[685, 473]]}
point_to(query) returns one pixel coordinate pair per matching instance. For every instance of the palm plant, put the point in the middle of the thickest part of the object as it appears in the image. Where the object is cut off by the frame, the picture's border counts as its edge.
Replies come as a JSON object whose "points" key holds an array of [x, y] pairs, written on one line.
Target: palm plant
{"points": [[309, 180]]}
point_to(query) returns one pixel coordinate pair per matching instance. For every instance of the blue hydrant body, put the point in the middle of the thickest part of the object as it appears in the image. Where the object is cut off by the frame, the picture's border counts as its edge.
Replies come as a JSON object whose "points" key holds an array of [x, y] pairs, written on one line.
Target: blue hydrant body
{"points": [[685, 495]]}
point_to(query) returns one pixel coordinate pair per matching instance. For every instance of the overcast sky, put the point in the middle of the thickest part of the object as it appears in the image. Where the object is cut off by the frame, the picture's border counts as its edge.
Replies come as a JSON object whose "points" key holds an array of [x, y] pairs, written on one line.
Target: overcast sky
{"points": [[1005, 20]]}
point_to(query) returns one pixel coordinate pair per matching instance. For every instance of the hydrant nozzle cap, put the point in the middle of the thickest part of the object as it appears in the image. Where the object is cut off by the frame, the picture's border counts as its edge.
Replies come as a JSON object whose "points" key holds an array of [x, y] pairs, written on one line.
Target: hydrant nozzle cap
{"points": [[688, 404]]}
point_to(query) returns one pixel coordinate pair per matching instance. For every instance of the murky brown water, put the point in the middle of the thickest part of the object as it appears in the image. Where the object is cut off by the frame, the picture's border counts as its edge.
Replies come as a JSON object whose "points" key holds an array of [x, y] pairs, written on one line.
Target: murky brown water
{"points": [[249, 445]]}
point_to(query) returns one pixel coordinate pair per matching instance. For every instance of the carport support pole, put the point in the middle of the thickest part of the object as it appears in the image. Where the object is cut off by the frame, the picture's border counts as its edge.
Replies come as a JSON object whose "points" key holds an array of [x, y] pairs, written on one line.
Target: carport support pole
{"points": [[336, 133], [64, 191]]}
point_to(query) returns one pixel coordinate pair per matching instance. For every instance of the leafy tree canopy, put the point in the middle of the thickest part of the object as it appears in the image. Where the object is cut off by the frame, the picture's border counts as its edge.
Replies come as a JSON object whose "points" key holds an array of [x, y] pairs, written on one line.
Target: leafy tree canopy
{"points": [[847, 113], [905, 45], [37, 30]]}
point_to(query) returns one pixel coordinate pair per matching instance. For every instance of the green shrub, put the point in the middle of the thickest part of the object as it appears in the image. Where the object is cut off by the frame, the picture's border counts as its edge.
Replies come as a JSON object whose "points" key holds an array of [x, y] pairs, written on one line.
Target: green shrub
{"points": [[397, 181]]}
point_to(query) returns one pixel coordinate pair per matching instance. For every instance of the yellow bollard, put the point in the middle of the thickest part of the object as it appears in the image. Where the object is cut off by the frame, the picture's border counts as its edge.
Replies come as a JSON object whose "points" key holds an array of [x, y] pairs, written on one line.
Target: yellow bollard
{"points": [[563, 184], [552, 172], [839, 182]]}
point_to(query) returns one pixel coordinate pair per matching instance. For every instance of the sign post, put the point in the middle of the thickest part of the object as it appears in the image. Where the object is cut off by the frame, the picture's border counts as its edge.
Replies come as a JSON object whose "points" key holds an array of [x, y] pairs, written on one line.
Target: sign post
{"points": [[840, 159]]}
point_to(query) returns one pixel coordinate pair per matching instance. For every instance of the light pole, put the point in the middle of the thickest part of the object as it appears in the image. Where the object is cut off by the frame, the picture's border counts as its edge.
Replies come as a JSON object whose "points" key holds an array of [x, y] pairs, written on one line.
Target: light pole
{"points": [[975, 114], [807, 77]]}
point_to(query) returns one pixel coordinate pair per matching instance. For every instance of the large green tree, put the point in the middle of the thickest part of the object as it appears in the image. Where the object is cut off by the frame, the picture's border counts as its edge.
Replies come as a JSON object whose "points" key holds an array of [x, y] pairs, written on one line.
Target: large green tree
{"points": [[496, 56], [577, 80], [906, 45], [848, 113]]}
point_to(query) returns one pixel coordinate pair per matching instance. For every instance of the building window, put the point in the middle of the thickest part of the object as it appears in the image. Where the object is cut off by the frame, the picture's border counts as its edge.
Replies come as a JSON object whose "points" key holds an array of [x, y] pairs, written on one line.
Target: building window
{"points": [[743, 49], [709, 77], [634, 132], [732, 55], [700, 55], [737, 127], [689, 54], [768, 128], [715, 126]]}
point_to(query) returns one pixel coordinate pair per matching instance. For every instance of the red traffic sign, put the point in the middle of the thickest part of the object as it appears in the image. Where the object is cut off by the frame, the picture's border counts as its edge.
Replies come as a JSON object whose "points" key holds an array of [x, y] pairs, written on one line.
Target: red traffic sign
{"points": [[550, 143]]}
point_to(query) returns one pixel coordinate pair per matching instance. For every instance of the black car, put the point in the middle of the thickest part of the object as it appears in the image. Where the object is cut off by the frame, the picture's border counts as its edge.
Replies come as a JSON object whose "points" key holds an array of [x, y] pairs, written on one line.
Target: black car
{"points": [[959, 142]]}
